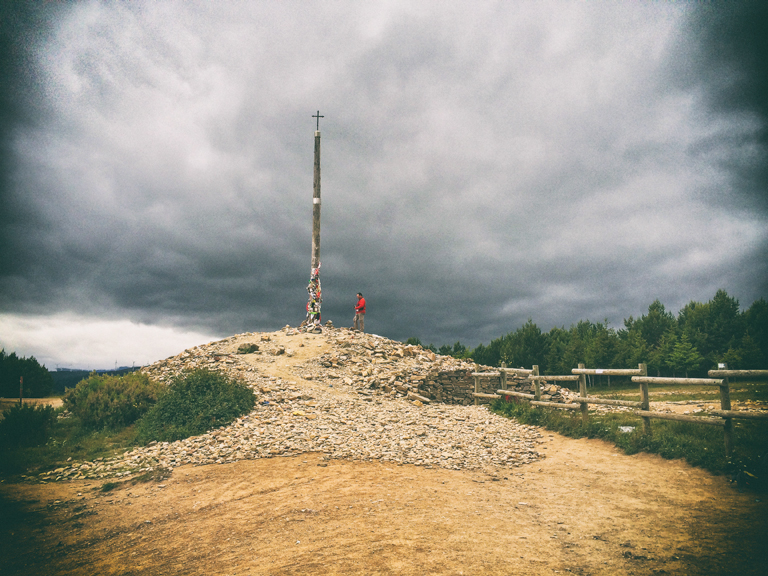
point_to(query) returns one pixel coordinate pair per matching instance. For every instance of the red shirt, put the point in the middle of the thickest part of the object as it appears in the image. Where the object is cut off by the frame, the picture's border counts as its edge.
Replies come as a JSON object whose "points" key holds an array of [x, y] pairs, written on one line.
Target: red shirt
{"points": [[360, 306]]}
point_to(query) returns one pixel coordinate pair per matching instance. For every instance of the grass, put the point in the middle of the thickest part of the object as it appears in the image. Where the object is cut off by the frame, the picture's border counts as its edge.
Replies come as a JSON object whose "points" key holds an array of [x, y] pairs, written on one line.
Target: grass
{"points": [[68, 439], [739, 392], [699, 445]]}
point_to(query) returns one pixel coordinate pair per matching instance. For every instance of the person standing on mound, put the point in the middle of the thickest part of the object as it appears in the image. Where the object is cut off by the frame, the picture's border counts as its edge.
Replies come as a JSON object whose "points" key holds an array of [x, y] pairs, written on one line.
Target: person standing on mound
{"points": [[359, 323]]}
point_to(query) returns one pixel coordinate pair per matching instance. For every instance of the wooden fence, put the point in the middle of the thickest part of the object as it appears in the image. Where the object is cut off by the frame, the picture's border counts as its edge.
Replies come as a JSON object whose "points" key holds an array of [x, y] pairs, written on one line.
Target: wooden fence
{"points": [[723, 417], [532, 375]]}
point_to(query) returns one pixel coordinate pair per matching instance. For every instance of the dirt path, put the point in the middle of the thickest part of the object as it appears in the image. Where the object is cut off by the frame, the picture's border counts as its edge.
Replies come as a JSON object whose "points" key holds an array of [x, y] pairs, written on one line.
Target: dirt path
{"points": [[585, 509], [8, 402]]}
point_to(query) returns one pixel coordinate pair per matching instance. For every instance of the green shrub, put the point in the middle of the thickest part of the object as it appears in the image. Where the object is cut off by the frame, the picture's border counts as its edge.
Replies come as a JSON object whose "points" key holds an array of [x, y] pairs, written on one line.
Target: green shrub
{"points": [[26, 425], [194, 403], [103, 401]]}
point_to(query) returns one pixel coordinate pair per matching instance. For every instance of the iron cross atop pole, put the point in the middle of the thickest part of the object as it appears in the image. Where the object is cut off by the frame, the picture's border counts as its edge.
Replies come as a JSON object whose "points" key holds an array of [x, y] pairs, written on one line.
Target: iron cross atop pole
{"points": [[318, 118]]}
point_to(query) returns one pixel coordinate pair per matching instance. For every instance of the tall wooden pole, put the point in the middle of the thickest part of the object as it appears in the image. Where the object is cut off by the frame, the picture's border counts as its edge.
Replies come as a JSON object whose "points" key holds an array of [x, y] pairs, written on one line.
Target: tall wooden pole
{"points": [[315, 292], [316, 200]]}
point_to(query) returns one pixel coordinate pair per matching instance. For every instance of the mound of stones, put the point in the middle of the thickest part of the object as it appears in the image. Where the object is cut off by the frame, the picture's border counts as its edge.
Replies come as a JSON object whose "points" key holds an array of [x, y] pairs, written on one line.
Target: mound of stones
{"points": [[369, 398]]}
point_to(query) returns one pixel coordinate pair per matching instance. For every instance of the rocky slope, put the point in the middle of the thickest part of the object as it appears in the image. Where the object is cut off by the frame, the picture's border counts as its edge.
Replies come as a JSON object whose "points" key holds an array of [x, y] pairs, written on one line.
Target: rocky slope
{"points": [[339, 393]]}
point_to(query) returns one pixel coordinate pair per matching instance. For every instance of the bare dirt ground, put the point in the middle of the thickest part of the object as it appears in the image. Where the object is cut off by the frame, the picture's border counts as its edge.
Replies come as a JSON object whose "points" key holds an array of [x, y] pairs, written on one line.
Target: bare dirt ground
{"points": [[585, 509], [8, 402]]}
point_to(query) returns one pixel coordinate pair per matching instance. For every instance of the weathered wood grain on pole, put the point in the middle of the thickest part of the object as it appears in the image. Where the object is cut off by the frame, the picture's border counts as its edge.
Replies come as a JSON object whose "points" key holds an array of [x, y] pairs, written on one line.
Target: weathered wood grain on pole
{"points": [[503, 376], [738, 373], [516, 394], [518, 371], [609, 402], [725, 404], [675, 381], [316, 205], [739, 414], [536, 383], [482, 395], [477, 386], [583, 394], [556, 405], [645, 402], [679, 417], [607, 371]]}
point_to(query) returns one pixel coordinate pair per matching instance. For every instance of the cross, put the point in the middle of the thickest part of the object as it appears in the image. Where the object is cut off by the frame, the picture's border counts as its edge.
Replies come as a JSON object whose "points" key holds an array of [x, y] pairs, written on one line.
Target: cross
{"points": [[318, 118]]}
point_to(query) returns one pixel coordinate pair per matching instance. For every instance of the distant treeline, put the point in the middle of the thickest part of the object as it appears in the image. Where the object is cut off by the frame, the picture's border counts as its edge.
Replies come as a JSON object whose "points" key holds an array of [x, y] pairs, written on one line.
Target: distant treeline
{"points": [[37, 380], [694, 341], [63, 379]]}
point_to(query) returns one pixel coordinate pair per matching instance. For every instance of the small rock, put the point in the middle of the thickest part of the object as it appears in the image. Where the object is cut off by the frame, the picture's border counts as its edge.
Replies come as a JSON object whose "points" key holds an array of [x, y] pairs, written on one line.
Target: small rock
{"points": [[247, 348]]}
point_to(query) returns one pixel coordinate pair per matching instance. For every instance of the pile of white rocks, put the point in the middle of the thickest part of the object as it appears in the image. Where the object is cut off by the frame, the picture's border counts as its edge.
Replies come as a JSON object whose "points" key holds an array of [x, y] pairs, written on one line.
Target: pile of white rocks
{"points": [[362, 405], [453, 437]]}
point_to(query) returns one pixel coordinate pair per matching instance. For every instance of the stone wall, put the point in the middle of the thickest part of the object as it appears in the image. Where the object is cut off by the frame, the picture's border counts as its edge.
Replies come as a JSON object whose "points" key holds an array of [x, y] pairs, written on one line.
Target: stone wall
{"points": [[457, 386]]}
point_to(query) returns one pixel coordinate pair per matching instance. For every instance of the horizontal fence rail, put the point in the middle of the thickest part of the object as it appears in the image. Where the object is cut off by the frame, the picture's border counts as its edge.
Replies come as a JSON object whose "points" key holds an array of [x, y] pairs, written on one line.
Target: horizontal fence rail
{"points": [[565, 378], [500, 393], [676, 381], [521, 371], [738, 373], [609, 371], [739, 414], [556, 405]]}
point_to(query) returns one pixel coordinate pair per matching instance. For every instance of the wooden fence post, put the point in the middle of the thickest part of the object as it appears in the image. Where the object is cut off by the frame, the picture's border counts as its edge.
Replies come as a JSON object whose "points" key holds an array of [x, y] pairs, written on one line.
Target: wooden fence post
{"points": [[583, 394], [477, 387], [644, 400], [536, 383], [725, 404], [503, 376]]}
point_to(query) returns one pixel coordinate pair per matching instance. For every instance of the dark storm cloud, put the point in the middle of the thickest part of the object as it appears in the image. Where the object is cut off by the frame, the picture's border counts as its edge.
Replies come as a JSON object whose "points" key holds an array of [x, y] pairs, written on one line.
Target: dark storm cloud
{"points": [[21, 26], [731, 49], [729, 62], [482, 163]]}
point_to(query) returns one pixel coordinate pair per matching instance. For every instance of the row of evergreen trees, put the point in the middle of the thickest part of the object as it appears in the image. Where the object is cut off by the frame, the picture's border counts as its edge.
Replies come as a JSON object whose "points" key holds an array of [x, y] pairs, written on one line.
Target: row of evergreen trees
{"points": [[696, 340], [37, 380]]}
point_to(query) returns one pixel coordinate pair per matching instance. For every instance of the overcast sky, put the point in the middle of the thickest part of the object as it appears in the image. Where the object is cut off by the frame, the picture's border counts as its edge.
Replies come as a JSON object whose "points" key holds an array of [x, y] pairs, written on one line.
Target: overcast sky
{"points": [[482, 163]]}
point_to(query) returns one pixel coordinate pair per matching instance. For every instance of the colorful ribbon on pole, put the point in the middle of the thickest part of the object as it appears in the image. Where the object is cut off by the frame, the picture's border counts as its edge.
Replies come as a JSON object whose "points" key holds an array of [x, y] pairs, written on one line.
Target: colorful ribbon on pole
{"points": [[312, 322]]}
